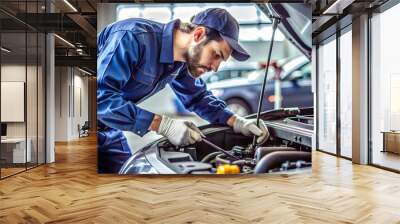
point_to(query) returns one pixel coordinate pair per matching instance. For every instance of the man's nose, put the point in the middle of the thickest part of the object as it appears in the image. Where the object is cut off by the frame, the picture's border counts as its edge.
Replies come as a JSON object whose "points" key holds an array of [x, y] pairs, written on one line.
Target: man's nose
{"points": [[215, 65]]}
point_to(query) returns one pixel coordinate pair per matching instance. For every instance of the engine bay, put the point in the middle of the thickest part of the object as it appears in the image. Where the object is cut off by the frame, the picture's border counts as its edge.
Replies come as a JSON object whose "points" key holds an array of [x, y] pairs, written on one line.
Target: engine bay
{"points": [[278, 154], [288, 149]]}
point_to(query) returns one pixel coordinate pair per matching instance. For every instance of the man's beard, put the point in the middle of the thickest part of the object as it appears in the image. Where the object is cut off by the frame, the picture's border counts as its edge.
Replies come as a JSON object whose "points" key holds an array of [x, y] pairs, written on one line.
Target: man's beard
{"points": [[192, 57]]}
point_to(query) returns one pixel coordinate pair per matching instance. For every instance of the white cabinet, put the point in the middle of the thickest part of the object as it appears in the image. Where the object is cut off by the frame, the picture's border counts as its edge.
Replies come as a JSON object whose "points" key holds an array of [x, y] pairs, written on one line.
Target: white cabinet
{"points": [[16, 147]]}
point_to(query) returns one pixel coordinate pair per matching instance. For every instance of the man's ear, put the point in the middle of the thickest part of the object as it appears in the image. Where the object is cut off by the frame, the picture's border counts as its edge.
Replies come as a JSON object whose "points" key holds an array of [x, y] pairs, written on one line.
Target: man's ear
{"points": [[198, 33]]}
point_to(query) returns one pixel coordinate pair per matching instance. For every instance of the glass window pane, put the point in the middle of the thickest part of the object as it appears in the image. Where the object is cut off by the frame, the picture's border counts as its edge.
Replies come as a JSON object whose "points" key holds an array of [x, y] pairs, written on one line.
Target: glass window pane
{"points": [[22, 90], [159, 14], [128, 12], [346, 94], [327, 97], [244, 14], [41, 99], [385, 89], [13, 85], [184, 13], [249, 34], [31, 97]]}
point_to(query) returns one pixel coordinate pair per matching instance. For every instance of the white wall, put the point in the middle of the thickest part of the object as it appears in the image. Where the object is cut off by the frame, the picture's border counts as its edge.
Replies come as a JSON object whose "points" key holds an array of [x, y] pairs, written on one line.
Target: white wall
{"points": [[70, 83], [11, 73]]}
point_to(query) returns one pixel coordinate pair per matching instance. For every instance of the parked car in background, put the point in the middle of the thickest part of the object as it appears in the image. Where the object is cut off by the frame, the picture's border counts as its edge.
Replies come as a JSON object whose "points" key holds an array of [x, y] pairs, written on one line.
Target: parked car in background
{"points": [[230, 70], [242, 92]]}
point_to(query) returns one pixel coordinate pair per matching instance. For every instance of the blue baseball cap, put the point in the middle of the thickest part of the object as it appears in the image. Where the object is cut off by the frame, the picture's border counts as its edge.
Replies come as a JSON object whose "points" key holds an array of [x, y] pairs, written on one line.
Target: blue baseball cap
{"points": [[227, 26]]}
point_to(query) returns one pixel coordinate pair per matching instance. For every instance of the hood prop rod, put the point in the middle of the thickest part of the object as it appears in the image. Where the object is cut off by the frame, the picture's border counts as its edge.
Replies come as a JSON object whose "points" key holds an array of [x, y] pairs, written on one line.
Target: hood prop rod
{"points": [[275, 22]]}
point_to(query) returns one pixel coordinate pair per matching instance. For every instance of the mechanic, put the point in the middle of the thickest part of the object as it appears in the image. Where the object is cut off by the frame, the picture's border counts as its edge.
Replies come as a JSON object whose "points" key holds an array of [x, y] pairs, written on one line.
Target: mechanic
{"points": [[137, 58]]}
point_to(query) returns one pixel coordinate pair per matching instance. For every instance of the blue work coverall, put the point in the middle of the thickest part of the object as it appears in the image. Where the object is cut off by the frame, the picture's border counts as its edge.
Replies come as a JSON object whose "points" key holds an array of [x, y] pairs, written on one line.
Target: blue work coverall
{"points": [[134, 61]]}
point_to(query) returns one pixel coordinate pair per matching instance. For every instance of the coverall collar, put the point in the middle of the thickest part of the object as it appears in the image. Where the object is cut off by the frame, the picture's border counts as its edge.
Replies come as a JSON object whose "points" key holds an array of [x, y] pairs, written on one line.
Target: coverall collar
{"points": [[167, 44]]}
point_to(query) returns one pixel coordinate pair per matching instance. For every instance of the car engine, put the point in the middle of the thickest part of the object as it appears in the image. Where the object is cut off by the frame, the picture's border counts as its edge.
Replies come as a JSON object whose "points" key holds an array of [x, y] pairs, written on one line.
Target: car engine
{"points": [[276, 155], [224, 152]]}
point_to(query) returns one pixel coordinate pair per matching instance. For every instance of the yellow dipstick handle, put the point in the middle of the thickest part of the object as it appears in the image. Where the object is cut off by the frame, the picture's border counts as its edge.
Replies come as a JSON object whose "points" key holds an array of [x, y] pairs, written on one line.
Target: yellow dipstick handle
{"points": [[228, 169]]}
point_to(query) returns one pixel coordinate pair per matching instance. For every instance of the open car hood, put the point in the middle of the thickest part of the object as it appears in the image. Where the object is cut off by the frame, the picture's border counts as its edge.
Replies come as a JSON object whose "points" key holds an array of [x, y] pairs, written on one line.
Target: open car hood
{"points": [[295, 22]]}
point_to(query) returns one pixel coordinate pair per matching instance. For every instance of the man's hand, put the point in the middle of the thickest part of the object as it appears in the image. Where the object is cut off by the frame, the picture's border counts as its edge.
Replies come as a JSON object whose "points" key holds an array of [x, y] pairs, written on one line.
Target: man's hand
{"points": [[248, 127], [177, 131]]}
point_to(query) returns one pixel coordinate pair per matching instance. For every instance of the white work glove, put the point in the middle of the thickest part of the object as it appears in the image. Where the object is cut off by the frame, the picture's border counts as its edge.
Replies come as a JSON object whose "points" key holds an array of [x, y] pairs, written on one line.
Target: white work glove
{"points": [[177, 132], [248, 127]]}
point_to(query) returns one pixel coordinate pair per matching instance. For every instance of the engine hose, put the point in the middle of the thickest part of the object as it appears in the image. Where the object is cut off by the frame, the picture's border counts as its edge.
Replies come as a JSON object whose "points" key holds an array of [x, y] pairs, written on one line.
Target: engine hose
{"points": [[240, 162], [263, 151], [210, 156], [219, 158], [275, 159]]}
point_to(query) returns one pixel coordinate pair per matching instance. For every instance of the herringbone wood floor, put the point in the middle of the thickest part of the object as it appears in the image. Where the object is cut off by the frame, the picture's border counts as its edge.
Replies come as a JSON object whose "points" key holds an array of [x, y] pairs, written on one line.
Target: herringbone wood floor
{"points": [[70, 191]]}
